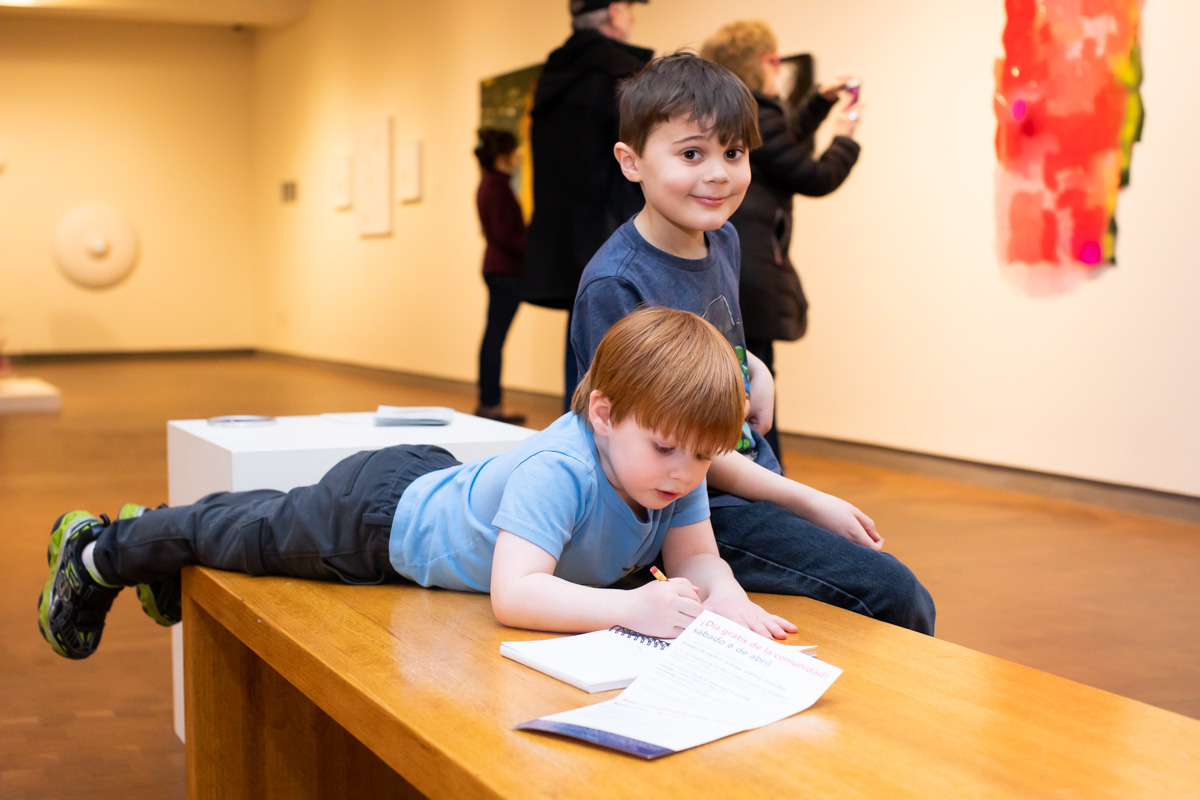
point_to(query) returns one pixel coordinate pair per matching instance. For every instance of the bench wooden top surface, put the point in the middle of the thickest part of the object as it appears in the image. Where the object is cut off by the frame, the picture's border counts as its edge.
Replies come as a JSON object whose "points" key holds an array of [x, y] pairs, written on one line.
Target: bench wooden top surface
{"points": [[416, 674]]}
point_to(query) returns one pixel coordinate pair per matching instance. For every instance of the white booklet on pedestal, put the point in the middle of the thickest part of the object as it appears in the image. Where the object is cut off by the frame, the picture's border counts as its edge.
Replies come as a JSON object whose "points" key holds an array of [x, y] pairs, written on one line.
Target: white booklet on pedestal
{"points": [[386, 416], [413, 415]]}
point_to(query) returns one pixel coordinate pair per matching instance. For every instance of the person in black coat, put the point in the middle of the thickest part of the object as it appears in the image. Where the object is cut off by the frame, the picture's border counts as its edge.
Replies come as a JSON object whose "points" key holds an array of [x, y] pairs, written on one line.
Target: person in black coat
{"points": [[774, 307], [579, 194]]}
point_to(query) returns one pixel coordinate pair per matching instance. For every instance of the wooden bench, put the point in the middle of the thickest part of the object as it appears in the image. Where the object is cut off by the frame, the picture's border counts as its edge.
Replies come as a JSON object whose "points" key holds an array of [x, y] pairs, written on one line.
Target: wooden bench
{"points": [[298, 689]]}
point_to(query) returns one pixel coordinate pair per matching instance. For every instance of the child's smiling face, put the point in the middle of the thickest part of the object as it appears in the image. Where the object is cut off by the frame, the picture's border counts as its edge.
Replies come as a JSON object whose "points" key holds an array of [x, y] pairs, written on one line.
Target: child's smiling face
{"points": [[692, 181]]}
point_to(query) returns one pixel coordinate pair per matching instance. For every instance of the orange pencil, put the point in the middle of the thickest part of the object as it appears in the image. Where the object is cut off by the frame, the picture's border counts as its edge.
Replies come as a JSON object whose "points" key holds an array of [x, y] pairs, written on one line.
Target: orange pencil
{"points": [[657, 573]]}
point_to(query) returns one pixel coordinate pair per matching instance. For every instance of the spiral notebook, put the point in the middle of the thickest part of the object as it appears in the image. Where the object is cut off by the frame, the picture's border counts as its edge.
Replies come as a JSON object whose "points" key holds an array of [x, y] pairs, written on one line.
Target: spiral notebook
{"points": [[595, 662]]}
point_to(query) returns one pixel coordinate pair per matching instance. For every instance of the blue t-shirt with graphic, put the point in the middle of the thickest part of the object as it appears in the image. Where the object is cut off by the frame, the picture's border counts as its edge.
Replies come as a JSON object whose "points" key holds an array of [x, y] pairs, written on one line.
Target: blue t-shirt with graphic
{"points": [[549, 490], [628, 273]]}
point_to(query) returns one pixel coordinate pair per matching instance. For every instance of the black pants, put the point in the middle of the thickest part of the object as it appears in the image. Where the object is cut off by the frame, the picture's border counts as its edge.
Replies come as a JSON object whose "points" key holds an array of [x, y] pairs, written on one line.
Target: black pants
{"points": [[335, 530], [764, 349], [504, 296]]}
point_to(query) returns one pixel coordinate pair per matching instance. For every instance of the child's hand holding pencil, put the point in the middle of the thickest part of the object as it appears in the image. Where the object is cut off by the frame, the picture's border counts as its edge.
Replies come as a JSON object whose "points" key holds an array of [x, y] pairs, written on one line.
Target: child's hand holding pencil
{"points": [[664, 607]]}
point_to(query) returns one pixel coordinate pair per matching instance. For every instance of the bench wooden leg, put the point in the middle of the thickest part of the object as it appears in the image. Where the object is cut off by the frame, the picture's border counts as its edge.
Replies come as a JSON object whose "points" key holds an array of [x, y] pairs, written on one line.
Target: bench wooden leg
{"points": [[252, 734]]}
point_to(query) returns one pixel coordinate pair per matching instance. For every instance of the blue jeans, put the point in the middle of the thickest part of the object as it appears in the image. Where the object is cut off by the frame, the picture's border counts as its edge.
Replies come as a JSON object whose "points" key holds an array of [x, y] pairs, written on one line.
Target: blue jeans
{"points": [[773, 550], [336, 530]]}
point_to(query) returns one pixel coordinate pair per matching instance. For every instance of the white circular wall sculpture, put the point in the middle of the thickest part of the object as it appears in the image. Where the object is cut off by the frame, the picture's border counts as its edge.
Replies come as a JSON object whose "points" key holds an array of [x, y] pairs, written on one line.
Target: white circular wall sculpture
{"points": [[96, 246]]}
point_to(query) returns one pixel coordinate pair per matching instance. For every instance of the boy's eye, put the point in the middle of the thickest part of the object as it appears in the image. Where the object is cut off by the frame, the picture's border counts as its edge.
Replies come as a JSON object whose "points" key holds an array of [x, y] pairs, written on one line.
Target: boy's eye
{"points": [[664, 449], [703, 457], [691, 155], [733, 153]]}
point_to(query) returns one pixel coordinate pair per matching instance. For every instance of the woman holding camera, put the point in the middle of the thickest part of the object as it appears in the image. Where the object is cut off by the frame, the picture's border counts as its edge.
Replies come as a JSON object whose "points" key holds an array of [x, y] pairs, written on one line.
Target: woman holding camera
{"points": [[774, 307]]}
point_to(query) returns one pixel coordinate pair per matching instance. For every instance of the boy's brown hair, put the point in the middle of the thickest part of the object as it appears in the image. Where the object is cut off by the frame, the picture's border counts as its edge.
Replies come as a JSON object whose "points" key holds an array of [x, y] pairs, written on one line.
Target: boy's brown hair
{"points": [[683, 84], [674, 374]]}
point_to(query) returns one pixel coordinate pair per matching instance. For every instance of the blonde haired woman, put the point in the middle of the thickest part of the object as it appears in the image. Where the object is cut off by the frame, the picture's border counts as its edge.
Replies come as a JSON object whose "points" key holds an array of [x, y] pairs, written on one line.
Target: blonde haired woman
{"points": [[774, 307]]}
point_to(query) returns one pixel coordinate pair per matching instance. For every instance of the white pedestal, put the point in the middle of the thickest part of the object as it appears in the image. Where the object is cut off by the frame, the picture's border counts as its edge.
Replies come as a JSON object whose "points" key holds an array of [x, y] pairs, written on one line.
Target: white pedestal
{"points": [[297, 451], [28, 394]]}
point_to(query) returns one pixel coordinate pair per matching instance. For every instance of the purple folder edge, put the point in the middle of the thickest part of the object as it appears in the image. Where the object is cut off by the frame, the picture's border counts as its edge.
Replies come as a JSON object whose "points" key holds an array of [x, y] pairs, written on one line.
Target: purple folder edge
{"points": [[634, 747]]}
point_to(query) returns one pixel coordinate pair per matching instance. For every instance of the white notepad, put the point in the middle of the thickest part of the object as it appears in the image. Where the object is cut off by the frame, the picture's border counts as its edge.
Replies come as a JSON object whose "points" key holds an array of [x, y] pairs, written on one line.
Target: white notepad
{"points": [[600, 660], [594, 662]]}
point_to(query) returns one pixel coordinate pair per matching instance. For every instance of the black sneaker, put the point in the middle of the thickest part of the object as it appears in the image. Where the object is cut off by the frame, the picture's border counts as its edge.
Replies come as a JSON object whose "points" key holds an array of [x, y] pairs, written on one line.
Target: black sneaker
{"points": [[73, 604], [162, 600]]}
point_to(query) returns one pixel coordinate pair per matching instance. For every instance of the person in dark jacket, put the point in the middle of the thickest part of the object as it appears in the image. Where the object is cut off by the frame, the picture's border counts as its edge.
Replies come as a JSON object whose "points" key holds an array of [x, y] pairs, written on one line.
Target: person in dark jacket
{"points": [[579, 194], [774, 307], [503, 262]]}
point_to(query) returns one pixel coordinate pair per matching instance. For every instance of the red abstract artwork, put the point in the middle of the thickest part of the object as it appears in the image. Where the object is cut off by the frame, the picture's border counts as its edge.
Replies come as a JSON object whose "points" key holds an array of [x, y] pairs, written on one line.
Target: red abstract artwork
{"points": [[1068, 110]]}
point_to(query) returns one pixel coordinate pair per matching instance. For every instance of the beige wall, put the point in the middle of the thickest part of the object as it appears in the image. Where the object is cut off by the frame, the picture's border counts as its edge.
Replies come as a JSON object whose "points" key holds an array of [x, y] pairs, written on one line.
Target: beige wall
{"points": [[413, 301], [916, 339], [151, 119]]}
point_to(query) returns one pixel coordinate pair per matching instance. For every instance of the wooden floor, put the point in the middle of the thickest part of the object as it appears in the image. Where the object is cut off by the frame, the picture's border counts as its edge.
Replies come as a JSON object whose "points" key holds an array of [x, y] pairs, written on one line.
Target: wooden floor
{"points": [[1106, 598]]}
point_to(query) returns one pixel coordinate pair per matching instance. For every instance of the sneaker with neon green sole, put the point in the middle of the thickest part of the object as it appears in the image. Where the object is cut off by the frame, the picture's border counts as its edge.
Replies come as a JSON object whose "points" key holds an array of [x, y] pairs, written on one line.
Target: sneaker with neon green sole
{"points": [[162, 600], [73, 604]]}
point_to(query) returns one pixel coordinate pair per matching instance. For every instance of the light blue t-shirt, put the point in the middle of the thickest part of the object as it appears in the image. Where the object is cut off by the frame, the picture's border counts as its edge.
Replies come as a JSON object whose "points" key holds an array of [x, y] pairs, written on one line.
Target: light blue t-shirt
{"points": [[549, 490]]}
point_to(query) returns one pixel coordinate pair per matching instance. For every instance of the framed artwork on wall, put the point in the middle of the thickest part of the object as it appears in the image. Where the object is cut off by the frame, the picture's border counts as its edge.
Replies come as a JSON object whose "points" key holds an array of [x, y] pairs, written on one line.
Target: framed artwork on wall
{"points": [[504, 103], [373, 176], [1068, 110], [408, 171]]}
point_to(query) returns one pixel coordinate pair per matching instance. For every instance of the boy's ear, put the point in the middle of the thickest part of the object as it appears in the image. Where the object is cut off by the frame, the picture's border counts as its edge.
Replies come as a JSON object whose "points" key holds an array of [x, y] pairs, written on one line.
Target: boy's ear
{"points": [[600, 413], [628, 161]]}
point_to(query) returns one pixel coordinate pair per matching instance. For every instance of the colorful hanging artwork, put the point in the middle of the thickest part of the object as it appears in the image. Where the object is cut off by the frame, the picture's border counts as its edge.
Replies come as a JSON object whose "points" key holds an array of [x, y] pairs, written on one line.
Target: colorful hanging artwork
{"points": [[1068, 110]]}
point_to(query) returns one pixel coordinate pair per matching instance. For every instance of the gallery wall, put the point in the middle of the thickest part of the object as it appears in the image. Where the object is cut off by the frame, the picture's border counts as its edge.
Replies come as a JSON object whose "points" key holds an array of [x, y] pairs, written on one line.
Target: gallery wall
{"points": [[153, 120], [414, 300], [916, 340]]}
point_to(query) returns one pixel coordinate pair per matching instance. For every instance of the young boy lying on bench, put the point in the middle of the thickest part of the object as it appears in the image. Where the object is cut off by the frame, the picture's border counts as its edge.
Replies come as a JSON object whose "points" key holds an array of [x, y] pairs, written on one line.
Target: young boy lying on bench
{"points": [[595, 496]]}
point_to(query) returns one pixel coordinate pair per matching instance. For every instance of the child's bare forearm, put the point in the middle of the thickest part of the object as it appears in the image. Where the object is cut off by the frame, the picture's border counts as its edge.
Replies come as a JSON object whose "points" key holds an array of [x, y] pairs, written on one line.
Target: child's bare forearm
{"points": [[545, 603], [762, 395], [760, 377], [739, 476], [709, 572], [735, 474]]}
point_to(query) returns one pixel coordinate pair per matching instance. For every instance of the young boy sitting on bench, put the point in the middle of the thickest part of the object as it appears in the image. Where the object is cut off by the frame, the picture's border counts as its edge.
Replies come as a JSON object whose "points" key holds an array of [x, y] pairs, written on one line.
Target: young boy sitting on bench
{"points": [[686, 128], [595, 496]]}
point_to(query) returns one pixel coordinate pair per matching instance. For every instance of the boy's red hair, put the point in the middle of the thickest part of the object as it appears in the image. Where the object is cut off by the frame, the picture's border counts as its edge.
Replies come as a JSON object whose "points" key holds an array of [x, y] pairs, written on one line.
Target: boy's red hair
{"points": [[674, 374]]}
